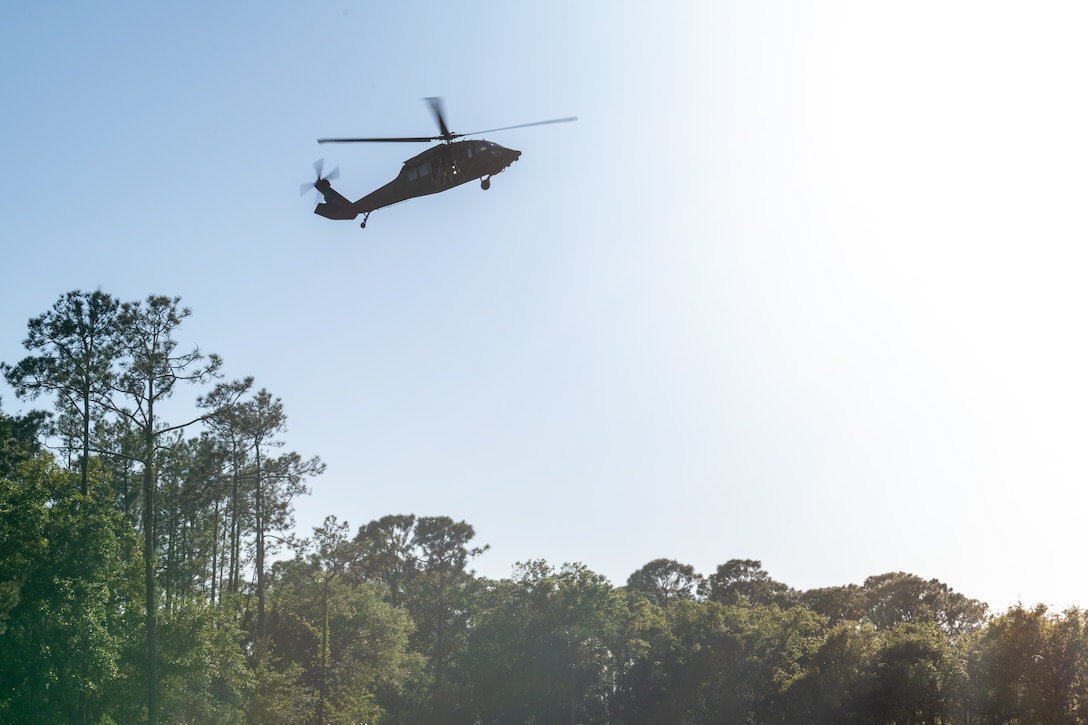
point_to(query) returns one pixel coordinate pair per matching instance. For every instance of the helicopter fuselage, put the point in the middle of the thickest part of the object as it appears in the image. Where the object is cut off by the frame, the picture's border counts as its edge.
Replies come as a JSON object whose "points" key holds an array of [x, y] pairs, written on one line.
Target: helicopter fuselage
{"points": [[437, 169]]}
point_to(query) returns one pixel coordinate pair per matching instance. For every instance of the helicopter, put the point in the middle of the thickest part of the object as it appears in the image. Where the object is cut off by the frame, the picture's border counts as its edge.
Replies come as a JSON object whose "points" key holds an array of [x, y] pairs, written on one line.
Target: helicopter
{"points": [[439, 168]]}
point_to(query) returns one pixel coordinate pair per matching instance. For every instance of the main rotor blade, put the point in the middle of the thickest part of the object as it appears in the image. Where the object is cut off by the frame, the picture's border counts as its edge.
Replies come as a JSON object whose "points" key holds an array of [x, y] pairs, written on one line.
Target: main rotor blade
{"points": [[522, 125], [404, 139], [436, 106], [437, 110]]}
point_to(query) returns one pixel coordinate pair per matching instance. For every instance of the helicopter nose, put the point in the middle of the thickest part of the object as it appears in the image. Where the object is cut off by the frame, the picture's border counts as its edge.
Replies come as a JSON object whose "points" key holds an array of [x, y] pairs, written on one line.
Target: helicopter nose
{"points": [[512, 155]]}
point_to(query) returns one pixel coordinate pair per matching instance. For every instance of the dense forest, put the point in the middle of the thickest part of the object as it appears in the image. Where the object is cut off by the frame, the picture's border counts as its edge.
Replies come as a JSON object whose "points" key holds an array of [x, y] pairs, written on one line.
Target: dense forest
{"points": [[150, 572]]}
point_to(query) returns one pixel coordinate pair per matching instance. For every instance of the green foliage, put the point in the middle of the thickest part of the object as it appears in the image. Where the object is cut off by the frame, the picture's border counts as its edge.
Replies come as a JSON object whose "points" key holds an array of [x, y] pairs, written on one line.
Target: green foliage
{"points": [[540, 652], [912, 679], [743, 581], [343, 643], [202, 664], [76, 346], [1031, 666], [273, 691], [19, 440], [834, 685], [665, 581], [147, 586], [62, 562], [894, 598], [387, 554]]}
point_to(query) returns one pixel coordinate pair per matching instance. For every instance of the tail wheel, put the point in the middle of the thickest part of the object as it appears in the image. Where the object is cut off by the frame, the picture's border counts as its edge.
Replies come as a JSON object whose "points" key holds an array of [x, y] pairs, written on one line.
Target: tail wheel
{"points": [[485, 184]]}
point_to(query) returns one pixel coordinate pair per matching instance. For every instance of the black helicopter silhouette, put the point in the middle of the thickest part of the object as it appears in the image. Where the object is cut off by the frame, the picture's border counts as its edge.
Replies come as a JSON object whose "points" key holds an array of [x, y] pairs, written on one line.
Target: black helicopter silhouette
{"points": [[442, 167]]}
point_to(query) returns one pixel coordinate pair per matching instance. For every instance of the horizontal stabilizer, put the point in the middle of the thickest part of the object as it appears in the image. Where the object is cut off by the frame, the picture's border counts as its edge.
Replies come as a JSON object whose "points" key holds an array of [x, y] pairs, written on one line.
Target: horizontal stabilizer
{"points": [[335, 206]]}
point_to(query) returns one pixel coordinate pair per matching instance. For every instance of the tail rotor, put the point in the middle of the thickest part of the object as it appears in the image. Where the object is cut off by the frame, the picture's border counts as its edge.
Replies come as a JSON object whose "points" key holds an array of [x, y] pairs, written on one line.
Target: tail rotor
{"points": [[319, 169]]}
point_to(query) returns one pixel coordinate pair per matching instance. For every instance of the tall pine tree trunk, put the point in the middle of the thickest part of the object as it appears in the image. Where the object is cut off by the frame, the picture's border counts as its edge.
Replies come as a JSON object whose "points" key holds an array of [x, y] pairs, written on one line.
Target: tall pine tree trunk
{"points": [[149, 570]]}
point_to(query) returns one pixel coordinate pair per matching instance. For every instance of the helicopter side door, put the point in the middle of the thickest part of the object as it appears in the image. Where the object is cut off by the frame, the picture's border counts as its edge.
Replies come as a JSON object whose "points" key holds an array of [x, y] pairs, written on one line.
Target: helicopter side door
{"points": [[447, 170], [419, 172]]}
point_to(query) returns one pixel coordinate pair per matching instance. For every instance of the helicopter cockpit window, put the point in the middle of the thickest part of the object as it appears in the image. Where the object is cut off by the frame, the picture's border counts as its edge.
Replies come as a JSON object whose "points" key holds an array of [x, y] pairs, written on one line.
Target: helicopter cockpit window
{"points": [[413, 172]]}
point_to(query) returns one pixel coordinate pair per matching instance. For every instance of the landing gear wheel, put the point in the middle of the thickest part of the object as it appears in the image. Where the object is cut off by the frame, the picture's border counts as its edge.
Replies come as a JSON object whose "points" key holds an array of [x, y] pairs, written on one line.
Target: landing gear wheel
{"points": [[362, 225], [485, 184]]}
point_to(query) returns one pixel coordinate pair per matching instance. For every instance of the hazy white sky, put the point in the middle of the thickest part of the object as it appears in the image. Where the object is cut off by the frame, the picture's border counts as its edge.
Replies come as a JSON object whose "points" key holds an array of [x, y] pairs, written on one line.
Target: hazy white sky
{"points": [[803, 284]]}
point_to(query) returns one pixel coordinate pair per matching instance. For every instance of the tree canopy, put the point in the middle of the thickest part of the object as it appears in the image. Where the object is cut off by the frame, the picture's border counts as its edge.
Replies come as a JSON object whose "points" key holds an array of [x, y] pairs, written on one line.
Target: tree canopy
{"points": [[150, 572]]}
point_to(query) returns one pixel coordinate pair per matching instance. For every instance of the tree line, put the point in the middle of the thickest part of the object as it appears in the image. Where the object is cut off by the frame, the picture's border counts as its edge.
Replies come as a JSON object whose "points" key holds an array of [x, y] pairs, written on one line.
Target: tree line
{"points": [[150, 572]]}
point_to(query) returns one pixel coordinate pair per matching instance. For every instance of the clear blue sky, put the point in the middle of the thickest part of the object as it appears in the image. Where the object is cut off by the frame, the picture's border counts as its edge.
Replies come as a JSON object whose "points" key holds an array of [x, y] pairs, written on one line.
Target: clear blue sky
{"points": [[805, 282]]}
